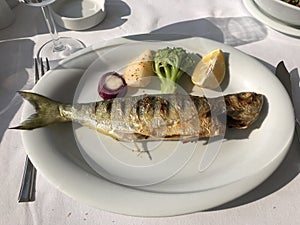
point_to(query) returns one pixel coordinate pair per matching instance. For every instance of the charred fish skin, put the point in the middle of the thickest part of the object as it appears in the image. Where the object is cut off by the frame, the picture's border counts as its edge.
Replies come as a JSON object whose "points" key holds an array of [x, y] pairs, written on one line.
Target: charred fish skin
{"points": [[157, 117], [164, 116], [243, 109]]}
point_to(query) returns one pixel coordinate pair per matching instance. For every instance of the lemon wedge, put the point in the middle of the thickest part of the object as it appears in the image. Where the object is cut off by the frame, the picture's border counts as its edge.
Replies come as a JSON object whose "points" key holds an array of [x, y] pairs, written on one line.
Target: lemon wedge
{"points": [[210, 71]]}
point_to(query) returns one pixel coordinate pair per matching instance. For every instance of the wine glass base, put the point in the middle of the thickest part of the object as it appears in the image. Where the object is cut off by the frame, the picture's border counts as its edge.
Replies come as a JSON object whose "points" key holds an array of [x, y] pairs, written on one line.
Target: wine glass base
{"points": [[70, 46]]}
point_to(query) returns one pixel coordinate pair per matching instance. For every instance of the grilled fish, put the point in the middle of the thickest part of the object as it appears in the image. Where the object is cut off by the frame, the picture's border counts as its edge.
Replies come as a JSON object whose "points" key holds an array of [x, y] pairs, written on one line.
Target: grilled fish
{"points": [[150, 117]]}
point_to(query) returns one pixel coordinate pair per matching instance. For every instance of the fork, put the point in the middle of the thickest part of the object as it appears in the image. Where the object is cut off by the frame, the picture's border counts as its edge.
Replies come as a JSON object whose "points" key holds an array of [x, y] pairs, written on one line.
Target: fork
{"points": [[27, 190]]}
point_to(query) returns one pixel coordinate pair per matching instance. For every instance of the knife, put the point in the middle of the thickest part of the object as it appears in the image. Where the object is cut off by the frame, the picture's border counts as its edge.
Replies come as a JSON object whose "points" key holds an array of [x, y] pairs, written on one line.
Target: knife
{"points": [[285, 78]]}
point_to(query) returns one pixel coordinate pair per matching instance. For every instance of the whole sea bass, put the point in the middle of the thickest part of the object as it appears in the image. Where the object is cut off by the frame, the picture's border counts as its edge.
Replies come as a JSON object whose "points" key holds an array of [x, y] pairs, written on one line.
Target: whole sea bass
{"points": [[150, 117]]}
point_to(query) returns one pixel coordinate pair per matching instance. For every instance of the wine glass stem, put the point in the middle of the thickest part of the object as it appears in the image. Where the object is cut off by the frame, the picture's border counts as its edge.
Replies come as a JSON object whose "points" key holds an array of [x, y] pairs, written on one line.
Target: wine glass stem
{"points": [[58, 46]]}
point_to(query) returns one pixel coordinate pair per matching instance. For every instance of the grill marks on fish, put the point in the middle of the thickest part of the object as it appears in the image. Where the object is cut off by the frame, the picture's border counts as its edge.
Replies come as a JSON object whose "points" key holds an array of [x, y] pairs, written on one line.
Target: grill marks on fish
{"points": [[167, 117], [150, 115]]}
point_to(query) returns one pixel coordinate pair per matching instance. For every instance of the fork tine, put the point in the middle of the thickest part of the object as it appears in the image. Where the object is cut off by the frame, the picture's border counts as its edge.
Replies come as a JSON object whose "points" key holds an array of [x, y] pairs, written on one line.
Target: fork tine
{"points": [[43, 64], [36, 71], [42, 67], [47, 64]]}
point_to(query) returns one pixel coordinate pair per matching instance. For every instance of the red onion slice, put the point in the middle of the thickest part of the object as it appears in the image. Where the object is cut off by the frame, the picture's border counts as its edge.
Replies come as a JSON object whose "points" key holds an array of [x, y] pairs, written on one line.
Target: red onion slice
{"points": [[112, 85]]}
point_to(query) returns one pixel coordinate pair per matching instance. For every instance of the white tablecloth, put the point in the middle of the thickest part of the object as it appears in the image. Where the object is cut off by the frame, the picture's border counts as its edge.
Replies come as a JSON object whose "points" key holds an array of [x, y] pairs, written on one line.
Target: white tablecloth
{"points": [[274, 202]]}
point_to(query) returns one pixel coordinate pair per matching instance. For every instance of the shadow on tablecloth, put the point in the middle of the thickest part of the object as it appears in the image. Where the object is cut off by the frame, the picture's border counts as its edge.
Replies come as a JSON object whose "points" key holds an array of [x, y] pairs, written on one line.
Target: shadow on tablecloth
{"points": [[15, 57], [232, 31]]}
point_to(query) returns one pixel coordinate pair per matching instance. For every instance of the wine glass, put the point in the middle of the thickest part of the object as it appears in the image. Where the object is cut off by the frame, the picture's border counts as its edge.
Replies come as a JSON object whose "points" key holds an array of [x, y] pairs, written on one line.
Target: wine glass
{"points": [[57, 48]]}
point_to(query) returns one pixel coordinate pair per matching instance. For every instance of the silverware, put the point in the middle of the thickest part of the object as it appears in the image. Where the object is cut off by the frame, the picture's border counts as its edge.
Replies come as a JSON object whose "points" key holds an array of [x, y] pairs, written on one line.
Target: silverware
{"points": [[27, 190], [285, 78]]}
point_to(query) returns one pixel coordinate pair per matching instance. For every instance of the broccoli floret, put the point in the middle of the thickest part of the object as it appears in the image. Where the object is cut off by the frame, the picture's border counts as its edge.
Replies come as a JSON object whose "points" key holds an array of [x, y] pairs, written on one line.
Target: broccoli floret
{"points": [[169, 65]]}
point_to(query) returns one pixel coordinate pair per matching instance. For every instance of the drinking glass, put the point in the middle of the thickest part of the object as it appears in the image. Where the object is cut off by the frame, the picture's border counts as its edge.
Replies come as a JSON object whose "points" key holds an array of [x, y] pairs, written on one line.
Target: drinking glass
{"points": [[57, 48]]}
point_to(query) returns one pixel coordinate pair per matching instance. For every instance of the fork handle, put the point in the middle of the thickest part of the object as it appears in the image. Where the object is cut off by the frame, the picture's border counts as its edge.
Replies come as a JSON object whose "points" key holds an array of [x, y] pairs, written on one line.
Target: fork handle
{"points": [[27, 191]]}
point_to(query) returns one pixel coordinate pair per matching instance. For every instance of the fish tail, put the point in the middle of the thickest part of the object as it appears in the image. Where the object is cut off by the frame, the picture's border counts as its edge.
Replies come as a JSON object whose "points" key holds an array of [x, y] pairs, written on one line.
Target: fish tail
{"points": [[47, 112]]}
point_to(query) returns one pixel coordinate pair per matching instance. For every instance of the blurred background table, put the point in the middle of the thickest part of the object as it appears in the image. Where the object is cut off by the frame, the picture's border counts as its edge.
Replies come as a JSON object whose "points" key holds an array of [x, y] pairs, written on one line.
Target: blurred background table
{"points": [[276, 201]]}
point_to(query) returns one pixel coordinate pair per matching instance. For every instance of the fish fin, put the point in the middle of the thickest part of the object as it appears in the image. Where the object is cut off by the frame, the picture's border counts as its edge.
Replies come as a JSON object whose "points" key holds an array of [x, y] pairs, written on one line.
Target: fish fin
{"points": [[47, 112]]}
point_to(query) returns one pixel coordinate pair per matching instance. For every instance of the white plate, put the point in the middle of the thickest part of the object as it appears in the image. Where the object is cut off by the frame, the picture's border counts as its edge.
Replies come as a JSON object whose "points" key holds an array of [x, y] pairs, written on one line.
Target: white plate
{"points": [[270, 21], [242, 163]]}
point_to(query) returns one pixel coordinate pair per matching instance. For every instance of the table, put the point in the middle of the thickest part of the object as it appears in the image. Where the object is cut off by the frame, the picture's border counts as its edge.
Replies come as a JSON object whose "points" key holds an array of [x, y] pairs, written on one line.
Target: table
{"points": [[276, 201]]}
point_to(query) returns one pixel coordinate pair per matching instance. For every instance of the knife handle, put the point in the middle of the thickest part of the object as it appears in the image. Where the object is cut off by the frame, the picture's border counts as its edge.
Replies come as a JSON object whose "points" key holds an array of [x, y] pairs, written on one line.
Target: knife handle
{"points": [[27, 191]]}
